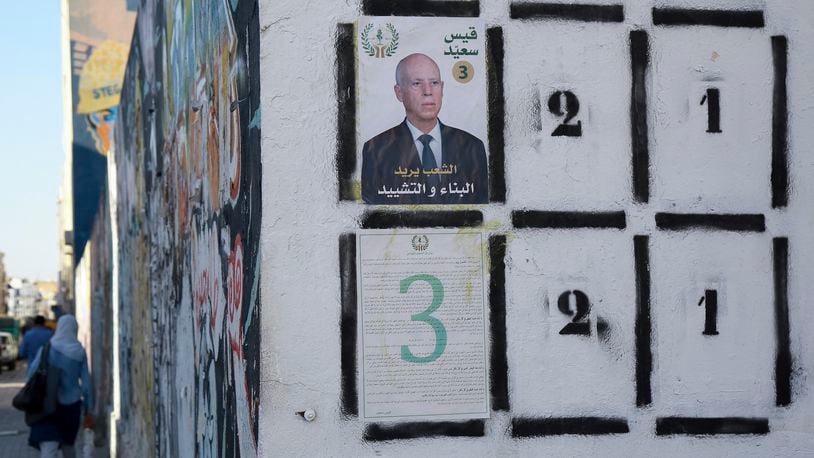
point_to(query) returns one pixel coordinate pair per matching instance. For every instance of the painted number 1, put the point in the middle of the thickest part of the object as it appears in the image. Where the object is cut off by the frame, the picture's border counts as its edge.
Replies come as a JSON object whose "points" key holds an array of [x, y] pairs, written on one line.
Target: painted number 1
{"points": [[426, 316], [711, 315], [713, 101]]}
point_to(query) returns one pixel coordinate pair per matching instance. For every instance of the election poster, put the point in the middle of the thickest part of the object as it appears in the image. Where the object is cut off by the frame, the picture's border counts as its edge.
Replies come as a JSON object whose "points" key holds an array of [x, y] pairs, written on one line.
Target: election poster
{"points": [[421, 114], [422, 325]]}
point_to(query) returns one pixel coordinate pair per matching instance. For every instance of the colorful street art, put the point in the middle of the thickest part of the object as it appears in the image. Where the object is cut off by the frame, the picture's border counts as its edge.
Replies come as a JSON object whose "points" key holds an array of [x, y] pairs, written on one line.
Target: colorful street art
{"points": [[94, 312], [100, 33], [187, 167]]}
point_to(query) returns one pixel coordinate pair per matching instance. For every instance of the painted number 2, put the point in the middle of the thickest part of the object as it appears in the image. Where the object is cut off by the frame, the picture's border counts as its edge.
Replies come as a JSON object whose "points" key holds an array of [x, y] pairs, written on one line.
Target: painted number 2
{"points": [[569, 110], [426, 316], [580, 323]]}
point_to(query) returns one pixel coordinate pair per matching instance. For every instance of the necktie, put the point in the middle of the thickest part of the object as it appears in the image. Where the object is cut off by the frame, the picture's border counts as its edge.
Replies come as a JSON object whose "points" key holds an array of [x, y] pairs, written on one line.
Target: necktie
{"points": [[428, 163]]}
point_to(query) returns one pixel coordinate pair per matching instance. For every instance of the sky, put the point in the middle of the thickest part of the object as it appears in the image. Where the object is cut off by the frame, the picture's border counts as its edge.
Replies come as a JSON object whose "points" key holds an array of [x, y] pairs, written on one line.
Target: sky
{"points": [[31, 150]]}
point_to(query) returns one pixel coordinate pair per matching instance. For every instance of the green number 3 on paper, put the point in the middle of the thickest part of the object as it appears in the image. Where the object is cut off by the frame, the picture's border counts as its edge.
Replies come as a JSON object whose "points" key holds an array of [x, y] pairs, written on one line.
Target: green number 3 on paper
{"points": [[426, 316]]}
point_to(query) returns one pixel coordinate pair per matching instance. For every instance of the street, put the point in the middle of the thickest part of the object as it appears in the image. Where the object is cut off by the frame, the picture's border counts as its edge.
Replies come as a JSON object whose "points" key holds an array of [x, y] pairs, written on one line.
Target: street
{"points": [[13, 430]]}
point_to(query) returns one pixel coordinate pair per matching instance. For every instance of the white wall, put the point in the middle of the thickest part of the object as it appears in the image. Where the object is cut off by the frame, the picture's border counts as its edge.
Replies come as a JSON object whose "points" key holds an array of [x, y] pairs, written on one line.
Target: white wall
{"points": [[83, 290], [691, 171]]}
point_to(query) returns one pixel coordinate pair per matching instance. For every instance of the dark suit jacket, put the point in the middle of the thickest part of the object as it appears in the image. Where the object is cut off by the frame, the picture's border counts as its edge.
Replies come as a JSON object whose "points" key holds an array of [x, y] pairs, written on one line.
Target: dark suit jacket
{"points": [[394, 148]]}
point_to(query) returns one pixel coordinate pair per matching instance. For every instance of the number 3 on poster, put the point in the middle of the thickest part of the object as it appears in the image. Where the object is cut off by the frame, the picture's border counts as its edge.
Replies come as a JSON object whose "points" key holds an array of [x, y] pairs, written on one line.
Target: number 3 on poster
{"points": [[426, 316]]}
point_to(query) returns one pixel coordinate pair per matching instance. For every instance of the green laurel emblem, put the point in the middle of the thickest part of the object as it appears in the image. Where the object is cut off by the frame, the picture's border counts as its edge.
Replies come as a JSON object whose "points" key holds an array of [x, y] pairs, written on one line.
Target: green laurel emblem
{"points": [[381, 46]]}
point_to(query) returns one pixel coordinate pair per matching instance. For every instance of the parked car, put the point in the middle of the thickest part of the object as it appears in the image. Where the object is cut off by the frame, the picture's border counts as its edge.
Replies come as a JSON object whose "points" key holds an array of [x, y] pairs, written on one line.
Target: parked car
{"points": [[8, 350], [12, 325]]}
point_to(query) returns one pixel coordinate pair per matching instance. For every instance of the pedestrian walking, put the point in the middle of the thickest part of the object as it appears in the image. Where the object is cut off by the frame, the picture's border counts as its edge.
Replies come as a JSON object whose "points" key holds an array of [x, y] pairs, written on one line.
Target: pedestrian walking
{"points": [[35, 338], [59, 430]]}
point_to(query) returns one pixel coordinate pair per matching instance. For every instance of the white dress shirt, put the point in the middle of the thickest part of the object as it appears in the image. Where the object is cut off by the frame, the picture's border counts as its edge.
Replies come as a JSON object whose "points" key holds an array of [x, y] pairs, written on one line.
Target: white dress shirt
{"points": [[435, 143]]}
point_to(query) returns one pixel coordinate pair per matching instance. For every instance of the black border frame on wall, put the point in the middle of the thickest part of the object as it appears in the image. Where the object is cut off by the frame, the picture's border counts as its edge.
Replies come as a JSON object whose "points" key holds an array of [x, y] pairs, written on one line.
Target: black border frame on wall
{"points": [[349, 396], [345, 110], [708, 426], [559, 426], [780, 123], [709, 17], [783, 360], [496, 115], [498, 352], [640, 149], [567, 11], [441, 8], [392, 219]]}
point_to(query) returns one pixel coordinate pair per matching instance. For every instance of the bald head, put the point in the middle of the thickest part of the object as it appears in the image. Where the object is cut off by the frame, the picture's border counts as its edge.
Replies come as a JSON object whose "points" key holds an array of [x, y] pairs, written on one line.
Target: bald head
{"points": [[420, 89], [412, 61]]}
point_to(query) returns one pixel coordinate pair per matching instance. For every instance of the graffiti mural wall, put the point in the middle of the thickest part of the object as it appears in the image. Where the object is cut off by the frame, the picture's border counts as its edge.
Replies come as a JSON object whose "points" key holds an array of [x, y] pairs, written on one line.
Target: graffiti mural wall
{"points": [[100, 33], [187, 163], [94, 314]]}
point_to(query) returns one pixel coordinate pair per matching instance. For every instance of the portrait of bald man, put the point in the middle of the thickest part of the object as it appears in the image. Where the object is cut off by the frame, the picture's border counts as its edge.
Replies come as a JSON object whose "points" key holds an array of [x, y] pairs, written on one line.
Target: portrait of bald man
{"points": [[422, 160]]}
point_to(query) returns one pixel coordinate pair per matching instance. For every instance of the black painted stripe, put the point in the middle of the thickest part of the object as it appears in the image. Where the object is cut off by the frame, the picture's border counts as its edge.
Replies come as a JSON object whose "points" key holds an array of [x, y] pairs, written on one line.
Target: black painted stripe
{"points": [[563, 11], [499, 363], [724, 222], [554, 426], [447, 8], [376, 432], [780, 117], [497, 115], [783, 360], [382, 219], [711, 426], [522, 219], [719, 18], [346, 110], [644, 352], [639, 61], [349, 398]]}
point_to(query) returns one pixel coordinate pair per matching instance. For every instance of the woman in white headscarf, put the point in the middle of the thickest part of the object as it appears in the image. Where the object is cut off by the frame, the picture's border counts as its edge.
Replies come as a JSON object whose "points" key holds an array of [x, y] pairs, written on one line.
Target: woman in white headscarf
{"points": [[59, 430]]}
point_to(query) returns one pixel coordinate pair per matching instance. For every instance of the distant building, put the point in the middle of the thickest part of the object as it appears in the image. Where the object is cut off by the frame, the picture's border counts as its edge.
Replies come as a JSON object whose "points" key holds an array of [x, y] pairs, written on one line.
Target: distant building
{"points": [[28, 299], [49, 291], [65, 239], [3, 287], [23, 298]]}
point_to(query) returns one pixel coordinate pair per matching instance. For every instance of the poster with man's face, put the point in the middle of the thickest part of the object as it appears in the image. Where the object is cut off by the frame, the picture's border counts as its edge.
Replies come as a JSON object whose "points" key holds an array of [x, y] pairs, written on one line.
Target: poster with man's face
{"points": [[421, 122]]}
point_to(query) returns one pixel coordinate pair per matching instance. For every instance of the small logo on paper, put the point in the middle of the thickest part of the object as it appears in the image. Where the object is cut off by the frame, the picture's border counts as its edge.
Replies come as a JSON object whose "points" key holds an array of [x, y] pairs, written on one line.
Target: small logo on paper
{"points": [[420, 242], [383, 44]]}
